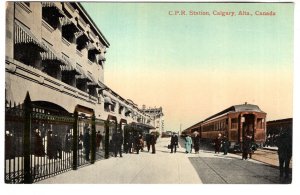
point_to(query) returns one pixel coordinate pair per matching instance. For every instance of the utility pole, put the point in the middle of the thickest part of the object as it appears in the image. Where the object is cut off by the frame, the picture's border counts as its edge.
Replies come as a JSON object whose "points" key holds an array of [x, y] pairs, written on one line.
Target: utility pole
{"points": [[180, 130]]}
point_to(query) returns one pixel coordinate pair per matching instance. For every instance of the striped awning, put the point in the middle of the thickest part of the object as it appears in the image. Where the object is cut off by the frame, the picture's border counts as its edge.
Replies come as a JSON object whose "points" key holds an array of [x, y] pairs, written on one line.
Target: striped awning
{"points": [[92, 47], [83, 75], [52, 56], [96, 83], [70, 67], [65, 21], [23, 36], [52, 5]]}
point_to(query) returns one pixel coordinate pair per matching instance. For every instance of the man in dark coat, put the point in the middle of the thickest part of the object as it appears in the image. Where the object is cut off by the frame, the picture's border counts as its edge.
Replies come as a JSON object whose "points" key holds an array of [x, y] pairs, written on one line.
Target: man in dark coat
{"points": [[284, 144], [86, 143], [137, 143], [58, 146], [68, 142], [196, 141], [39, 149], [148, 137], [50, 145], [153, 142], [117, 140], [246, 146], [174, 142], [9, 146], [225, 144], [130, 142], [218, 143]]}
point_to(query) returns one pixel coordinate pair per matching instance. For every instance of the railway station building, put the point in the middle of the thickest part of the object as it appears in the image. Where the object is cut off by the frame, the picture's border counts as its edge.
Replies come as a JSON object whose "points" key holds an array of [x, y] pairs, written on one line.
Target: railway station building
{"points": [[54, 64], [55, 52]]}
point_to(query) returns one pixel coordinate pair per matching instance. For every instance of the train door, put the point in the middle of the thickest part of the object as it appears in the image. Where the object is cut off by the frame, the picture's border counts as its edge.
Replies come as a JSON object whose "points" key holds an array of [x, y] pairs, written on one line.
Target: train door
{"points": [[248, 121]]}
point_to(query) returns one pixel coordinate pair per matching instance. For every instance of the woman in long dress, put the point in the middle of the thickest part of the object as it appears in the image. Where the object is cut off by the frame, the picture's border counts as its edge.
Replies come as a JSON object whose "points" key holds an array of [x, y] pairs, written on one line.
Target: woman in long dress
{"points": [[188, 144]]}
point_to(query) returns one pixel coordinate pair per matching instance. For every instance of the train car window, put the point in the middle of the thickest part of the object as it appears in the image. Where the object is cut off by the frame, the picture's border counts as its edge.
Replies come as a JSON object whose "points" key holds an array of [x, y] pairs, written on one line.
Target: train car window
{"points": [[260, 123], [234, 123]]}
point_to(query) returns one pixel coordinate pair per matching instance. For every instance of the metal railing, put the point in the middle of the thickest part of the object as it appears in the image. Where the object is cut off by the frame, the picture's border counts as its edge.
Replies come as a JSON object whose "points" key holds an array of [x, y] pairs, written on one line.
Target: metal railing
{"points": [[43, 142]]}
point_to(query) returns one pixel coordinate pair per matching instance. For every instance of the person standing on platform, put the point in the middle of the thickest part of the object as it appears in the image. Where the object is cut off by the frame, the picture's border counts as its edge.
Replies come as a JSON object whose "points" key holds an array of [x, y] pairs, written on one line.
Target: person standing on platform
{"points": [[225, 144], [98, 140], [148, 137], [197, 143], [218, 141], [86, 143], [246, 147], [174, 142], [188, 144], [284, 144], [117, 140], [153, 142]]}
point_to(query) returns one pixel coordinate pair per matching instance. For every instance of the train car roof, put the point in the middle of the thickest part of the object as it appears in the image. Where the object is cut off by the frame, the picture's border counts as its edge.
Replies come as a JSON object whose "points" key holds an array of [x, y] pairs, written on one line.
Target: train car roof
{"points": [[237, 108]]}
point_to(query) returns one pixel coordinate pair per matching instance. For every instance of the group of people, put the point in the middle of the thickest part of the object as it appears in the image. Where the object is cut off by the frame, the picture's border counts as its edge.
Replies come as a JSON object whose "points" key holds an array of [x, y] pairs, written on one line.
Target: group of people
{"points": [[190, 143], [135, 142], [221, 143]]}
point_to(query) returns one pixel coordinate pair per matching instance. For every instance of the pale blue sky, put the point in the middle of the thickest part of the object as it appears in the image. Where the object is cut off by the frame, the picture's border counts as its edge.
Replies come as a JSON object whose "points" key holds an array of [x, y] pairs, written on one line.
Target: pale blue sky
{"points": [[181, 58]]}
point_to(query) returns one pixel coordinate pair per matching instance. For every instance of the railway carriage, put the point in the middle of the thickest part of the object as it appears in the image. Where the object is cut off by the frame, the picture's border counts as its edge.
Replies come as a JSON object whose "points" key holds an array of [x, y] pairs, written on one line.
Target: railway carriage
{"points": [[234, 122]]}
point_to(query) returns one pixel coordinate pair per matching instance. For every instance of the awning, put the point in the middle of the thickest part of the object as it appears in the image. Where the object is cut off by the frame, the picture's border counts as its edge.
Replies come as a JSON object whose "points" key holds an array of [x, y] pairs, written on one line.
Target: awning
{"points": [[23, 36], [101, 85], [93, 48], [66, 22], [143, 125], [93, 81], [70, 67], [51, 56], [101, 58], [83, 75], [52, 6], [107, 100]]}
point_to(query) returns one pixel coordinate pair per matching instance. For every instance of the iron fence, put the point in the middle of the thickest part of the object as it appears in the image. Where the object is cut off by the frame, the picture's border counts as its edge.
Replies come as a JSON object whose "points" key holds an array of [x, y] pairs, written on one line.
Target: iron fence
{"points": [[40, 143]]}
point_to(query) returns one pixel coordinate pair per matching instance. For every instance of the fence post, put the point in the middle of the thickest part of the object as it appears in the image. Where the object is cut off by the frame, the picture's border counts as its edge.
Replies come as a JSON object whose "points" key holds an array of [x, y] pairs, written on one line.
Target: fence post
{"points": [[75, 139], [106, 139], [26, 144], [93, 141]]}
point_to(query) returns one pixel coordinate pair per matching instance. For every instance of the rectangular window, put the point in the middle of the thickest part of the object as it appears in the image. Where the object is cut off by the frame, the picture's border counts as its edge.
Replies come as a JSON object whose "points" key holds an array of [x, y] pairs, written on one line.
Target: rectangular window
{"points": [[234, 123], [260, 123]]}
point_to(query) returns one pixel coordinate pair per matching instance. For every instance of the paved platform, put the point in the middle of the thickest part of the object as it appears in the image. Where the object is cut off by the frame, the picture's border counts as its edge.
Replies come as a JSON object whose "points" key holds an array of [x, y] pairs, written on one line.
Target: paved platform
{"points": [[172, 168], [144, 168]]}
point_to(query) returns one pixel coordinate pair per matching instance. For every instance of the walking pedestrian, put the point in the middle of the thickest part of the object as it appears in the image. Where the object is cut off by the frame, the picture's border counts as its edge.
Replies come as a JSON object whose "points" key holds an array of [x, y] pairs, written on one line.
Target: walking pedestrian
{"points": [[218, 141], [196, 140], [174, 142], [188, 144]]}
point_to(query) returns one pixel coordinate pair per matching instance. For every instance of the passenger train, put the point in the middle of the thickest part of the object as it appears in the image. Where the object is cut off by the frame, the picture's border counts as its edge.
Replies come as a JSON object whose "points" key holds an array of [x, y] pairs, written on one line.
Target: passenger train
{"points": [[234, 122]]}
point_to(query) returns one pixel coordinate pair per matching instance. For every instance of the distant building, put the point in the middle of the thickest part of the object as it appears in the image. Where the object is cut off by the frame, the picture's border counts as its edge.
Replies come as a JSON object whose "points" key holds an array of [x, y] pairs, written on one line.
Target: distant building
{"points": [[157, 118]]}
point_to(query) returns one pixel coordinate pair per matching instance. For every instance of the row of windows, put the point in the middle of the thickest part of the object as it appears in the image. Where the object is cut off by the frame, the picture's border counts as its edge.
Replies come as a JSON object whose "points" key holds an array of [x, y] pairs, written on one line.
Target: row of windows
{"points": [[216, 126], [223, 124]]}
